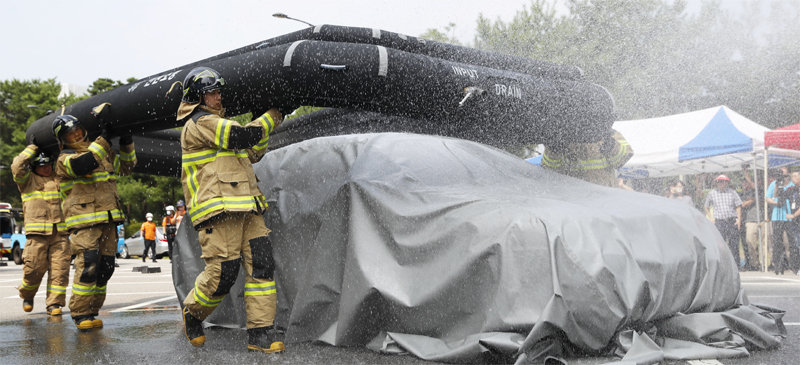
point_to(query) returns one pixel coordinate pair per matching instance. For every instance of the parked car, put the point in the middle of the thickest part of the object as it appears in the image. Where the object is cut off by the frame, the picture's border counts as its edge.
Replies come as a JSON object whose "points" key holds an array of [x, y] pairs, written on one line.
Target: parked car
{"points": [[134, 245]]}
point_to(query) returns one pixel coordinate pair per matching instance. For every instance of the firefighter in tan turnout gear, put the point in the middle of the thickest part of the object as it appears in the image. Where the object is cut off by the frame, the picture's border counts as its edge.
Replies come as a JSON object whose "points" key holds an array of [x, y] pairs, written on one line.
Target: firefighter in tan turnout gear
{"points": [[593, 162], [47, 248], [225, 207], [92, 210]]}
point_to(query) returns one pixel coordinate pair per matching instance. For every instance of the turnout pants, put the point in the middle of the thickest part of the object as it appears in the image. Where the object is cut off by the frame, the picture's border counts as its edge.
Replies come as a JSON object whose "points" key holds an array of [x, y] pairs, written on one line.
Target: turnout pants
{"points": [[94, 248], [46, 254], [229, 241]]}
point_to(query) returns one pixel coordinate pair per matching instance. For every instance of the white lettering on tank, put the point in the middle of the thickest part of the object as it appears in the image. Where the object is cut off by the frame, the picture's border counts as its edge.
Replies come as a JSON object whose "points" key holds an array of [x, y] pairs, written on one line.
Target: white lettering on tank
{"points": [[461, 71], [510, 91], [155, 80]]}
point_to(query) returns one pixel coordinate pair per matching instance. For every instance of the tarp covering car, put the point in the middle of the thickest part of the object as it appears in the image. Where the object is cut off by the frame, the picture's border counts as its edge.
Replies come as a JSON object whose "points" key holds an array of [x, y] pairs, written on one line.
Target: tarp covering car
{"points": [[458, 252]]}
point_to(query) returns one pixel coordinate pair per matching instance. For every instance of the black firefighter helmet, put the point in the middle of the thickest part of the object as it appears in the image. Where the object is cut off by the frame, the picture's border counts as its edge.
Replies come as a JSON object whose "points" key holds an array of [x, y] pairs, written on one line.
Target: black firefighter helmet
{"points": [[199, 81], [64, 124], [42, 159]]}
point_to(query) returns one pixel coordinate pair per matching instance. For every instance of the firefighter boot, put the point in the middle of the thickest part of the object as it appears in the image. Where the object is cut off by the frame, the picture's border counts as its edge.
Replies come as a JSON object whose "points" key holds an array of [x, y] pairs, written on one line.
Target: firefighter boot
{"points": [[96, 322], [27, 305], [265, 339], [84, 323], [54, 310], [193, 329]]}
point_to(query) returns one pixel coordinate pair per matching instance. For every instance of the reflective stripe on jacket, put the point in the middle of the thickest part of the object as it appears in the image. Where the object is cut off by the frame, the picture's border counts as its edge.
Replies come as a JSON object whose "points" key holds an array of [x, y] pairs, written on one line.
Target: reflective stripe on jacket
{"points": [[216, 179], [41, 202], [588, 162], [92, 199]]}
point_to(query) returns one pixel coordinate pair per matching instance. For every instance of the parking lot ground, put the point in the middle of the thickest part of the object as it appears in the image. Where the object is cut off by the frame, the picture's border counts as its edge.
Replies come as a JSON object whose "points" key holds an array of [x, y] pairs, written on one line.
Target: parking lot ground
{"points": [[143, 325]]}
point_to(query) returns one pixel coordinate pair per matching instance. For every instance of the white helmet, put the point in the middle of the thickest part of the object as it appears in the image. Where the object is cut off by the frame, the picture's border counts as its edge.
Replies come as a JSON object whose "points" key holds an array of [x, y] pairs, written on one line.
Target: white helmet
{"points": [[149, 215], [170, 209]]}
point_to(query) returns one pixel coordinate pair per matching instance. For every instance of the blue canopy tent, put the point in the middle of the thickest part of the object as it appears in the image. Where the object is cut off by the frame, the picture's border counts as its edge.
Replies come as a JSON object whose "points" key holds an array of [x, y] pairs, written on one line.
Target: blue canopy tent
{"points": [[710, 140], [718, 137]]}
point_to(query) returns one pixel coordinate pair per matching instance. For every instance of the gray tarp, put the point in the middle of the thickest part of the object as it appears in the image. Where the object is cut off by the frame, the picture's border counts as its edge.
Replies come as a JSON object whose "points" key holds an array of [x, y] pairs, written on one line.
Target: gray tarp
{"points": [[455, 251]]}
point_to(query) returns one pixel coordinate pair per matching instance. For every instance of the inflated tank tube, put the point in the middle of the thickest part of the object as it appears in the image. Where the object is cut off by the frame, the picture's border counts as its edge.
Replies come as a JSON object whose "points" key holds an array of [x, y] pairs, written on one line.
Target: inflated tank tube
{"points": [[402, 42], [158, 153], [365, 77]]}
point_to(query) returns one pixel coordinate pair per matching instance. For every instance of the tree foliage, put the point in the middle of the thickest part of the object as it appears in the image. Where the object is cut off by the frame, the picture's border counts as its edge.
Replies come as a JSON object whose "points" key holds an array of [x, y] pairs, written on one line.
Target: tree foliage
{"points": [[657, 57], [21, 103], [144, 193], [441, 35]]}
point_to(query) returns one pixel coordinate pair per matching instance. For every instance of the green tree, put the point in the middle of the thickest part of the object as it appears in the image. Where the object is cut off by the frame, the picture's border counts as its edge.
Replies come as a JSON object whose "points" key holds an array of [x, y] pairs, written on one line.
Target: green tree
{"points": [[442, 35], [21, 103], [657, 58], [145, 193], [102, 85]]}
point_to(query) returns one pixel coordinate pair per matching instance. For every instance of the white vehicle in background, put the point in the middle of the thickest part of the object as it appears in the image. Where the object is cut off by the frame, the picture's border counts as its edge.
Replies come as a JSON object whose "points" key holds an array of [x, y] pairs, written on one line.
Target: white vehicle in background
{"points": [[134, 245]]}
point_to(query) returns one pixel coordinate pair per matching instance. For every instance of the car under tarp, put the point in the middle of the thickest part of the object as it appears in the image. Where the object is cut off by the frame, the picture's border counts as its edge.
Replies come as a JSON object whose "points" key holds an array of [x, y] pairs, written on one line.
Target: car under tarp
{"points": [[454, 251]]}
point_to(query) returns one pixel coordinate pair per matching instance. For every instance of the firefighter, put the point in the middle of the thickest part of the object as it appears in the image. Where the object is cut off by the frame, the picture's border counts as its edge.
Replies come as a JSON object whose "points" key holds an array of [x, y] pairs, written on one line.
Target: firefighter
{"points": [[47, 248], [169, 225], [88, 172], [225, 206], [593, 162]]}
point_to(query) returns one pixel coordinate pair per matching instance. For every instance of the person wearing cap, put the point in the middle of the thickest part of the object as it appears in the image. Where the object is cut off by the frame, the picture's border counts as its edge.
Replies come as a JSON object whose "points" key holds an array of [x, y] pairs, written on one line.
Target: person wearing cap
{"points": [[181, 211], [727, 214], [46, 247], [780, 260], [149, 236]]}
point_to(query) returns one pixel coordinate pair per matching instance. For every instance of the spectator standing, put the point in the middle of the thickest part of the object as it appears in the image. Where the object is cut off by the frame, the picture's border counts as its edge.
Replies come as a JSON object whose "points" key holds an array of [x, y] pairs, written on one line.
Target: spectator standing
{"points": [[752, 217], [780, 221], [149, 236], [727, 215], [169, 225], [677, 192], [179, 214], [793, 195]]}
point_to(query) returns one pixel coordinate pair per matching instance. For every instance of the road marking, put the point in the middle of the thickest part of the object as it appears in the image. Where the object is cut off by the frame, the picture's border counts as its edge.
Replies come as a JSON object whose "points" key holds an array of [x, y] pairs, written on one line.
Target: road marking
{"points": [[112, 283], [773, 296], [42, 295], [792, 324], [144, 304], [168, 308], [756, 285], [704, 362]]}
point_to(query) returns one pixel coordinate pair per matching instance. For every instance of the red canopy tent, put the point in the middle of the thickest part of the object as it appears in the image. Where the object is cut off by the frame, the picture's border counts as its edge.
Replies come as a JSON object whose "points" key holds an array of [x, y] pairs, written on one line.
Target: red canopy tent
{"points": [[786, 137], [782, 141]]}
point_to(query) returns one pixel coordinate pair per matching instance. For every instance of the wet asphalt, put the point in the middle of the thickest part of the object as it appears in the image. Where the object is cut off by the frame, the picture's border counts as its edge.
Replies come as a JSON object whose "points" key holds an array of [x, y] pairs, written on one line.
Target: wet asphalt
{"points": [[143, 325]]}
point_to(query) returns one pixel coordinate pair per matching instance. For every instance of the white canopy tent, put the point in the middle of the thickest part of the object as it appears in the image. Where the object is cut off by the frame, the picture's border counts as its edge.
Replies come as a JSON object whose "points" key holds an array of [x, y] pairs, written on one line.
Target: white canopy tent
{"points": [[710, 140]]}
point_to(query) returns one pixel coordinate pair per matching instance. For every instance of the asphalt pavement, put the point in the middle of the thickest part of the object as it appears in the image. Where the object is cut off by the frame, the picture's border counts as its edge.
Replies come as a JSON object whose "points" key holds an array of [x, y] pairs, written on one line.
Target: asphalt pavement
{"points": [[143, 325]]}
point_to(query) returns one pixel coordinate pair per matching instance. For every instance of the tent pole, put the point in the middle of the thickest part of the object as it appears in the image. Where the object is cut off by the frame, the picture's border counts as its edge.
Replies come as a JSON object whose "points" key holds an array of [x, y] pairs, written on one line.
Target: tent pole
{"points": [[765, 247], [758, 207]]}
